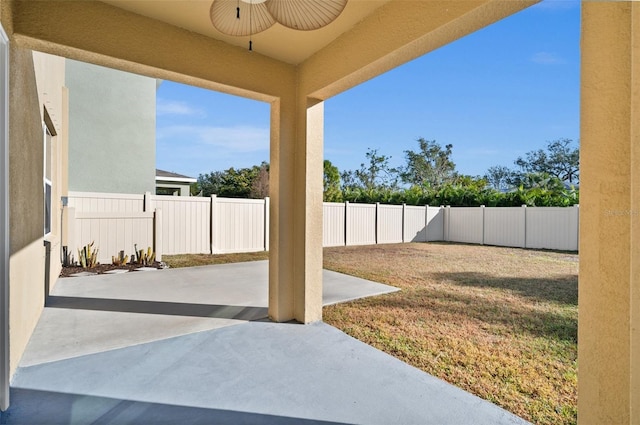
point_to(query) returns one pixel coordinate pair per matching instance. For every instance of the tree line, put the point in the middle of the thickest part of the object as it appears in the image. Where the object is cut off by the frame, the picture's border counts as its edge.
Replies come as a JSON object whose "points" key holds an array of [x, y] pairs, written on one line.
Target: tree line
{"points": [[542, 177]]}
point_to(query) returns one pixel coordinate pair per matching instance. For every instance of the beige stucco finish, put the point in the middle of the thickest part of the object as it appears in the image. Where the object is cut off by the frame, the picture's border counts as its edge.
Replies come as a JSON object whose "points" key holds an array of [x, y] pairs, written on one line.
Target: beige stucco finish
{"points": [[28, 103], [609, 302], [26, 257]]}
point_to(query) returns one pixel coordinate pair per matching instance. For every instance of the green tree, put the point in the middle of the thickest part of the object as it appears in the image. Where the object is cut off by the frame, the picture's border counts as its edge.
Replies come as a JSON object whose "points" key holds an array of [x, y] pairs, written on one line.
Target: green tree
{"points": [[236, 183], [210, 183], [260, 183], [560, 159], [500, 177], [465, 191], [331, 182], [374, 174], [430, 166], [195, 190]]}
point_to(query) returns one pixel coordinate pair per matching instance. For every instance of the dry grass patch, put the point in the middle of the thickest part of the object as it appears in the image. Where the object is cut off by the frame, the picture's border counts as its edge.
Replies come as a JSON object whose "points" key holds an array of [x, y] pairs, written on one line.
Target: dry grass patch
{"points": [[498, 322], [192, 260]]}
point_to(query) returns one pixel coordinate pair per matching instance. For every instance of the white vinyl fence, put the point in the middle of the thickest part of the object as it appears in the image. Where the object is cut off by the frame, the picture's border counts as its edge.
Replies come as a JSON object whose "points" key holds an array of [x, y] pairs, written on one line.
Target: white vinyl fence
{"points": [[333, 224], [114, 222], [184, 225], [533, 227], [239, 225], [179, 224]]}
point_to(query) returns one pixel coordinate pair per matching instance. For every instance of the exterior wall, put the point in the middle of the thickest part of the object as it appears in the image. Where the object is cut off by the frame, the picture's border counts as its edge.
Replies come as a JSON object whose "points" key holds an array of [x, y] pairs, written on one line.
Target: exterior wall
{"points": [[28, 265], [52, 96], [111, 130]]}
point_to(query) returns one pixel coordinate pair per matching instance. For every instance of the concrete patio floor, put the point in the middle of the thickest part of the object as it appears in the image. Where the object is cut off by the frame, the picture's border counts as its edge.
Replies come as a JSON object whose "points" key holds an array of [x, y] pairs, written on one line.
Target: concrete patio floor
{"points": [[194, 346]]}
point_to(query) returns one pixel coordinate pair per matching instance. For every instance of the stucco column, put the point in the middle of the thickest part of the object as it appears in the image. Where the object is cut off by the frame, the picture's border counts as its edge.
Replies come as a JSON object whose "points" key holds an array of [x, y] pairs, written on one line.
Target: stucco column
{"points": [[609, 284], [295, 263]]}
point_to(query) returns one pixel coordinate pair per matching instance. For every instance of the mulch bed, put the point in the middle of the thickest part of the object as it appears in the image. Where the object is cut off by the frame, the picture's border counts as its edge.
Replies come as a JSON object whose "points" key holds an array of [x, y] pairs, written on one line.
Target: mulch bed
{"points": [[102, 268]]}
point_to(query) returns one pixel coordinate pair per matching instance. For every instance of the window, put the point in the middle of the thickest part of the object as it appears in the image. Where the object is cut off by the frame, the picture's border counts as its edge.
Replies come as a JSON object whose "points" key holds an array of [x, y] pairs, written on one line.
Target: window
{"points": [[47, 179]]}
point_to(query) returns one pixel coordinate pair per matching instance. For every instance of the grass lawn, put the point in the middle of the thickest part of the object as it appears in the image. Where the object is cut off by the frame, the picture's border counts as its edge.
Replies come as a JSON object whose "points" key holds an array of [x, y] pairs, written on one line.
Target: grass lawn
{"points": [[498, 322], [193, 260]]}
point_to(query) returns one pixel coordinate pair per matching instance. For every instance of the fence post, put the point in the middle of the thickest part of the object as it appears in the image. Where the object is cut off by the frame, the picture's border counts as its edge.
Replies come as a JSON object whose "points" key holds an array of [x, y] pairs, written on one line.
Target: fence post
{"points": [[483, 224], [157, 233], [346, 222], [578, 228], [447, 223], [266, 223], [214, 199], [147, 202], [426, 223], [404, 212], [575, 226], [524, 231], [377, 221]]}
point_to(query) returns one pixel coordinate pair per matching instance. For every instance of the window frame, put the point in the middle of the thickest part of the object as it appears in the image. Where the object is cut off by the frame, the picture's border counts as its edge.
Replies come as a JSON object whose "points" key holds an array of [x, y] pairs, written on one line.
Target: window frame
{"points": [[47, 185]]}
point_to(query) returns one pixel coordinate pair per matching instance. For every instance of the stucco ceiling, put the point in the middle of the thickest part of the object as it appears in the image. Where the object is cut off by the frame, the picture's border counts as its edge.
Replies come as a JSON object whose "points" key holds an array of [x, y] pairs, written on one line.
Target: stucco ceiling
{"points": [[175, 40], [278, 42]]}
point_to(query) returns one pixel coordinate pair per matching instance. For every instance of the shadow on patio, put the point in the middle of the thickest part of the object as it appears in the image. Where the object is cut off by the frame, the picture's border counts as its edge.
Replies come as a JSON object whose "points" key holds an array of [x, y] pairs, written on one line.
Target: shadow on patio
{"points": [[97, 357]]}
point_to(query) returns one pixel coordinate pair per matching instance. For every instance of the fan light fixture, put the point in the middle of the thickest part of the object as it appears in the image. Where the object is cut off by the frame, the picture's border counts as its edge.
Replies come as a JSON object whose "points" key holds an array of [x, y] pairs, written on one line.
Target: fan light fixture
{"points": [[242, 18]]}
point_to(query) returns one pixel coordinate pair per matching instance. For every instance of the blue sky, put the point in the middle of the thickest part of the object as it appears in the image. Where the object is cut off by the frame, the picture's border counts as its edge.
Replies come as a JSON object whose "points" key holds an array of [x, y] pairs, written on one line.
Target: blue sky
{"points": [[494, 95]]}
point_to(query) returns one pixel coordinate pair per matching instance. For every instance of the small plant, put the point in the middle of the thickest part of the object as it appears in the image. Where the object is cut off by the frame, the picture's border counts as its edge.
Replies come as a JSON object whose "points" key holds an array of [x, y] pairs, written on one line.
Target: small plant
{"points": [[67, 257], [120, 259], [142, 257], [88, 257]]}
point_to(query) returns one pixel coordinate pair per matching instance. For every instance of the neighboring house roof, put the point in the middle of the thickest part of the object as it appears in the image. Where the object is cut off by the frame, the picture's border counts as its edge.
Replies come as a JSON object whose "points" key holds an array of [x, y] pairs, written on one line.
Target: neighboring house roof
{"points": [[173, 177]]}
